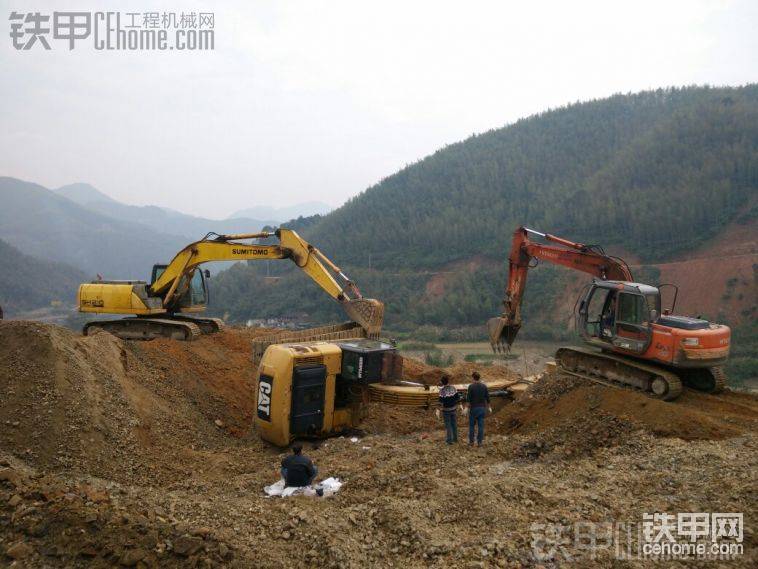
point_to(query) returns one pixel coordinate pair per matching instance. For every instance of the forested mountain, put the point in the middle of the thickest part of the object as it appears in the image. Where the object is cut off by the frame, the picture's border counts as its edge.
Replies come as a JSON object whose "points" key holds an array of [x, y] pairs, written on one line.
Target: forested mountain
{"points": [[42, 224], [27, 283], [650, 174], [160, 219]]}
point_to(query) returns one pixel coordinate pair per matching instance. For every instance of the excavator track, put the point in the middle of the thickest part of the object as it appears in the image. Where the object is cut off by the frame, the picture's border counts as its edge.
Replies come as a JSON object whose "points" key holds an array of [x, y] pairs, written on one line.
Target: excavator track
{"points": [[135, 328], [602, 367], [710, 380], [206, 325], [332, 332]]}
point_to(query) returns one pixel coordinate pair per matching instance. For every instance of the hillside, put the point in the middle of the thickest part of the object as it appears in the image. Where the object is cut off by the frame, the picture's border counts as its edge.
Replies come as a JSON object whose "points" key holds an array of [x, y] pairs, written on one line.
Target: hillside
{"points": [[161, 219], [45, 225], [652, 176], [27, 283], [652, 172]]}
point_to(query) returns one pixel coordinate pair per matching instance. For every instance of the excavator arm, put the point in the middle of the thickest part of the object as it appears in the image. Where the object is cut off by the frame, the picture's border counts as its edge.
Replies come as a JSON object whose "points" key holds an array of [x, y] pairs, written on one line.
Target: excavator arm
{"points": [[172, 283], [586, 258]]}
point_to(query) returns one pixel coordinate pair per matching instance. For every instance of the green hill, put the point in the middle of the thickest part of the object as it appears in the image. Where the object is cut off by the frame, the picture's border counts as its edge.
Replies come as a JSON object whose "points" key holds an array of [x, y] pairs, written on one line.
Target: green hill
{"points": [[653, 173], [27, 283]]}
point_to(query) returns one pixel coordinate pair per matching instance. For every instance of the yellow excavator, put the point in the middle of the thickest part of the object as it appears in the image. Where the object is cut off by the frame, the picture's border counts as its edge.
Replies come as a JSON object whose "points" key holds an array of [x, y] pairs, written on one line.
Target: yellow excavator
{"points": [[163, 307]]}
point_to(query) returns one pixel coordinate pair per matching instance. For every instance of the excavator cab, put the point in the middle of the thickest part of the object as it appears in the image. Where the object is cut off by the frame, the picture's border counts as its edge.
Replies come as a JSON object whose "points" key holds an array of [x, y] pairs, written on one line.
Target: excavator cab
{"points": [[192, 290], [615, 314]]}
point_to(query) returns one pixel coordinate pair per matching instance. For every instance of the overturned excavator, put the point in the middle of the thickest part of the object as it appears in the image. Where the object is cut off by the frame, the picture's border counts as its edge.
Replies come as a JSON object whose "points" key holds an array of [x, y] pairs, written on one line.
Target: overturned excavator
{"points": [[632, 340], [177, 291]]}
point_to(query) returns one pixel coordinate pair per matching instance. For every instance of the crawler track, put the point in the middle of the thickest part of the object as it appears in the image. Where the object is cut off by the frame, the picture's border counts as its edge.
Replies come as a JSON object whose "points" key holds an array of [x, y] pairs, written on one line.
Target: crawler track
{"points": [[710, 380], [147, 328], [602, 367]]}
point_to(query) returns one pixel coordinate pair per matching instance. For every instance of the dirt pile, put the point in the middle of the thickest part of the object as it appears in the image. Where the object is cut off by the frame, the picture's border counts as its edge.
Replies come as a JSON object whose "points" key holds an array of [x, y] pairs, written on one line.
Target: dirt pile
{"points": [[49, 520], [573, 417], [141, 454], [460, 372], [125, 411]]}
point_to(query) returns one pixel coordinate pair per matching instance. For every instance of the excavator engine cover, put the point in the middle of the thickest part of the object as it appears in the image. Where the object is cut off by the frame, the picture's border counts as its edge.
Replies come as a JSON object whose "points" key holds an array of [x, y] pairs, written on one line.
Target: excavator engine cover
{"points": [[308, 392], [365, 361]]}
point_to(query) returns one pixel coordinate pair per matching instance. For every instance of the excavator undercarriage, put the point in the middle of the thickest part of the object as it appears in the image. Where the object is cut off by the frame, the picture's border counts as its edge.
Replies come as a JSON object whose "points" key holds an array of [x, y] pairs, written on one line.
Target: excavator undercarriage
{"points": [[175, 326], [592, 365]]}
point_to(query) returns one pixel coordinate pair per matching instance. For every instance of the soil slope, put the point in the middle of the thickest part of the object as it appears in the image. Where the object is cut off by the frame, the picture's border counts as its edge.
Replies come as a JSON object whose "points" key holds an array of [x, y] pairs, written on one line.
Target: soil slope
{"points": [[142, 454]]}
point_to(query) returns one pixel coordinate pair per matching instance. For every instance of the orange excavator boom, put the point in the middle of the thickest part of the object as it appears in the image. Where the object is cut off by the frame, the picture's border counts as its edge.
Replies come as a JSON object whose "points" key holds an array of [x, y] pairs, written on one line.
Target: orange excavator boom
{"points": [[578, 256]]}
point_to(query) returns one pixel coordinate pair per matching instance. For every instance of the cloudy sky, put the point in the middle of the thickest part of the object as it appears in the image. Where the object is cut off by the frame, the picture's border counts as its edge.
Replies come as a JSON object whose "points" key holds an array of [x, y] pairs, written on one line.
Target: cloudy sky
{"points": [[319, 100]]}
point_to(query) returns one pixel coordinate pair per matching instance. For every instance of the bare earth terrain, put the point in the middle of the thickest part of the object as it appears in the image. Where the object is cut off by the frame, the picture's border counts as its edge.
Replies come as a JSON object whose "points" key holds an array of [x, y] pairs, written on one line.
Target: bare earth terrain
{"points": [[143, 454]]}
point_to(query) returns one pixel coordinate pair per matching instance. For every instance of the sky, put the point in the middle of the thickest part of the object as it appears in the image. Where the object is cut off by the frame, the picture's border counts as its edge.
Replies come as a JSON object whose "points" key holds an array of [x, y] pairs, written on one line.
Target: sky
{"points": [[302, 101]]}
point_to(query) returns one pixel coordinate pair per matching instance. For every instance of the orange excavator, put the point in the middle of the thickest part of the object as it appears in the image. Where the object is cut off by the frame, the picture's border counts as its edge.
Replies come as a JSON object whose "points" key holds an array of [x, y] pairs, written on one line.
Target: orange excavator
{"points": [[632, 341]]}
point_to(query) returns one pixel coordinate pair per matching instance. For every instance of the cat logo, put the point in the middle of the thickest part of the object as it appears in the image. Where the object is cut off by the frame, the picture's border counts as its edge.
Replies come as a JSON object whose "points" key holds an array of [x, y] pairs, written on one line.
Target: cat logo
{"points": [[264, 397]]}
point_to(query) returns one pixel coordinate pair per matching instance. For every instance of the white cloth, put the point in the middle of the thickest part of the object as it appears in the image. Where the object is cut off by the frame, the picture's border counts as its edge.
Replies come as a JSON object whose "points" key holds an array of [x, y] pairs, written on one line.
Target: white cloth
{"points": [[329, 486]]}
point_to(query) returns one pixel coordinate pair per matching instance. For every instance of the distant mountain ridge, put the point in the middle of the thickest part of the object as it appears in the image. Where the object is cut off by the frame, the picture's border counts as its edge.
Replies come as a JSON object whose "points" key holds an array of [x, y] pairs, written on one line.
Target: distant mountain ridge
{"points": [[161, 219], [75, 232], [43, 224], [285, 213], [83, 194]]}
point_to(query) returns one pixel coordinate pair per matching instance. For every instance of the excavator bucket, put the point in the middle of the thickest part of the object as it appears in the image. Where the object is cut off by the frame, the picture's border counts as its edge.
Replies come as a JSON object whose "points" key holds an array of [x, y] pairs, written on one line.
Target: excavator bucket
{"points": [[502, 333], [367, 312]]}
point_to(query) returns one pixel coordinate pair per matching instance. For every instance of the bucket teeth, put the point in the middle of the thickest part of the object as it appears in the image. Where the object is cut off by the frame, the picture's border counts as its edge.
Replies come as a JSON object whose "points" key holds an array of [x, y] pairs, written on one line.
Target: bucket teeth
{"points": [[502, 333]]}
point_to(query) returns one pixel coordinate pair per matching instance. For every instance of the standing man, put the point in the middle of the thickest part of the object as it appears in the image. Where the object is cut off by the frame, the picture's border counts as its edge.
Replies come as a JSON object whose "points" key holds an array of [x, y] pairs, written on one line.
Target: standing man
{"points": [[449, 398], [298, 469], [478, 398]]}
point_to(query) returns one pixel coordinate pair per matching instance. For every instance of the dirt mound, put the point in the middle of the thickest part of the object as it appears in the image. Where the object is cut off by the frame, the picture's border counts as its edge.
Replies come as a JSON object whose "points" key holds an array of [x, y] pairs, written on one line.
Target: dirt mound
{"points": [[460, 372], [574, 417], [141, 454], [149, 411], [72, 524]]}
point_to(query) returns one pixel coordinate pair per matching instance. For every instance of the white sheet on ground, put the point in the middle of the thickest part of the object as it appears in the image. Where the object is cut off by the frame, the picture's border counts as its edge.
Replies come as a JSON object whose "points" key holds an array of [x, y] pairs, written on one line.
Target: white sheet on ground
{"points": [[329, 486]]}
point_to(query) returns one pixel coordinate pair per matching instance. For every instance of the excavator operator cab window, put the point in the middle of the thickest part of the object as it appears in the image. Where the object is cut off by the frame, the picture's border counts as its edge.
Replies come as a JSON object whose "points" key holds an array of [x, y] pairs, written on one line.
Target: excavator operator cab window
{"points": [[596, 307], [631, 308], [157, 272], [197, 290], [632, 322], [196, 294]]}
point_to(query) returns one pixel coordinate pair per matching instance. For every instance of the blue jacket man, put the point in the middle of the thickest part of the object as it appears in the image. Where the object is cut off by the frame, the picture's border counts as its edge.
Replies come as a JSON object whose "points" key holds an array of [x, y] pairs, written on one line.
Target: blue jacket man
{"points": [[478, 399]]}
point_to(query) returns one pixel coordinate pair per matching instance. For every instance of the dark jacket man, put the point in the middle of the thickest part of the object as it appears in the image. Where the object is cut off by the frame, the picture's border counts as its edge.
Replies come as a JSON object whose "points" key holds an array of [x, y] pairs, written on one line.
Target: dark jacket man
{"points": [[478, 399], [298, 469]]}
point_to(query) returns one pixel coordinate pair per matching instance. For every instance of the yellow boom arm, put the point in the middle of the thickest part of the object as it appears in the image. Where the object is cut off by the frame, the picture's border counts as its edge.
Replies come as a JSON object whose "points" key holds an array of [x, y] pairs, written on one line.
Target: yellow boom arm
{"points": [[367, 312]]}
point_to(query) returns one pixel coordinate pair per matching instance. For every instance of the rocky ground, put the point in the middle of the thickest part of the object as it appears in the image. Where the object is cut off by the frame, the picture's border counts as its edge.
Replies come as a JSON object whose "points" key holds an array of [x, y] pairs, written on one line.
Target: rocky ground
{"points": [[142, 454]]}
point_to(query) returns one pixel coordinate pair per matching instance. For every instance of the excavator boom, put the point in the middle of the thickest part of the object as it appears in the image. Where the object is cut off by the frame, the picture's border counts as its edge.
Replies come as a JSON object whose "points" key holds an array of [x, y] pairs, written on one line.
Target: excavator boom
{"points": [[587, 258]]}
